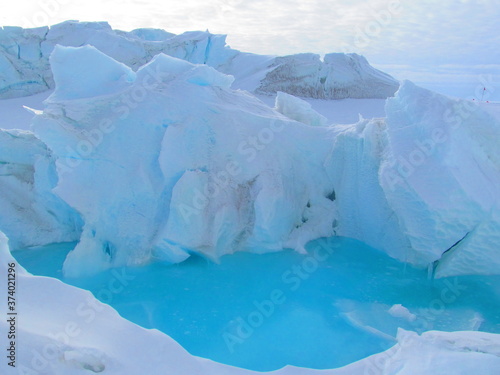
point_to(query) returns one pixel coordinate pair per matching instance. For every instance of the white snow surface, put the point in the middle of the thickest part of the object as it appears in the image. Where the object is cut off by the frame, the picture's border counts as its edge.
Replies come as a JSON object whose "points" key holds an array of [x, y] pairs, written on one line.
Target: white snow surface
{"points": [[25, 66], [65, 330], [171, 160]]}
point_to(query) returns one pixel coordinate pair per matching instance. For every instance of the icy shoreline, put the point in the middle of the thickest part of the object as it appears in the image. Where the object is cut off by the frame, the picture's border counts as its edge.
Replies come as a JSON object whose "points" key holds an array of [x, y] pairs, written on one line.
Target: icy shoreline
{"points": [[65, 330]]}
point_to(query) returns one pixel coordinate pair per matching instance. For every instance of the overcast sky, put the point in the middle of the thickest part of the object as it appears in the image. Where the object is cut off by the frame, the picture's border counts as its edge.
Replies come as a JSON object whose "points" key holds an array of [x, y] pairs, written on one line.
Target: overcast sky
{"points": [[442, 44]]}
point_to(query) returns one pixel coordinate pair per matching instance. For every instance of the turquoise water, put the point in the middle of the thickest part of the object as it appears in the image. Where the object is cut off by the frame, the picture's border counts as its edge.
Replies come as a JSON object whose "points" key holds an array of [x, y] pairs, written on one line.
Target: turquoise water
{"points": [[262, 312]]}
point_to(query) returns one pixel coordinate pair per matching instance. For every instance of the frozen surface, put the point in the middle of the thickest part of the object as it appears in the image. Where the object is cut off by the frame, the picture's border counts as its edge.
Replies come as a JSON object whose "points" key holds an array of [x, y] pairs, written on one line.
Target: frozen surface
{"points": [[65, 330], [25, 67], [13, 115]]}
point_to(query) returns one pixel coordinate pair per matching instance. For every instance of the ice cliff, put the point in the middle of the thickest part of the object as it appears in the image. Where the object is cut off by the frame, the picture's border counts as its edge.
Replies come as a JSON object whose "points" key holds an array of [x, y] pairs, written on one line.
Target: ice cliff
{"points": [[25, 66], [170, 160], [153, 157]]}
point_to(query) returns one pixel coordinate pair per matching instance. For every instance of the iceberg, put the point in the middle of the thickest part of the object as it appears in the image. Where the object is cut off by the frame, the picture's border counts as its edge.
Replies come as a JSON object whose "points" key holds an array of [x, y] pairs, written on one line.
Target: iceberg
{"points": [[194, 174], [170, 160], [440, 175], [338, 76], [26, 68], [427, 176]]}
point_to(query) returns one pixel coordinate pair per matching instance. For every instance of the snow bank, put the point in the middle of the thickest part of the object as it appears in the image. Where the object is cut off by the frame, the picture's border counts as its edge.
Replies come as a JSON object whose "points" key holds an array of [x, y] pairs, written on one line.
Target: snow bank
{"points": [[62, 329], [25, 66], [30, 213]]}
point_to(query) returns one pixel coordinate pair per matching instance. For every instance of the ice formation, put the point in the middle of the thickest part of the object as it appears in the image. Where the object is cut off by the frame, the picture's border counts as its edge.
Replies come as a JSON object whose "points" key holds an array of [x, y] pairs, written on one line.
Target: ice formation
{"points": [[170, 160], [338, 76], [299, 110], [184, 163], [441, 176], [399, 311], [30, 213], [146, 151], [25, 67]]}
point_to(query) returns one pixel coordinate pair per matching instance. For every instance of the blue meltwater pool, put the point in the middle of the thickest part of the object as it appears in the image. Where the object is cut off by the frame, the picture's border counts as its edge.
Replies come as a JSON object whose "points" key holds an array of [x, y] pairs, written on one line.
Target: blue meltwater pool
{"points": [[342, 302]]}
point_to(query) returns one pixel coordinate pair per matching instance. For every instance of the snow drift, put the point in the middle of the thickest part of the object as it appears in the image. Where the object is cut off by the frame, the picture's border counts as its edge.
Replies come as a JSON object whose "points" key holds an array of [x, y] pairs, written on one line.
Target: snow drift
{"points": [[25, 66]]}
